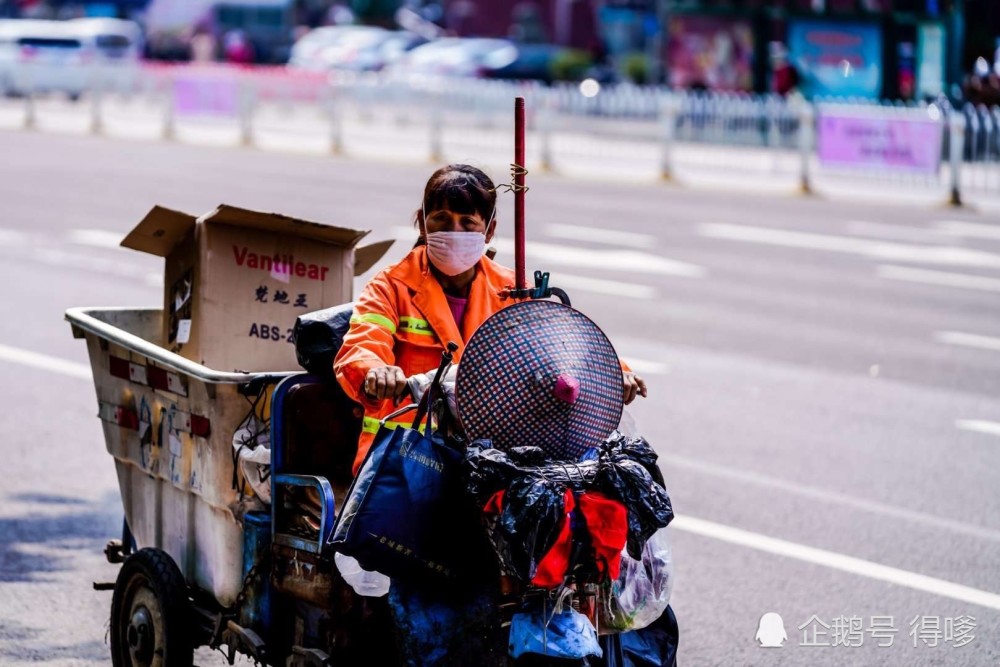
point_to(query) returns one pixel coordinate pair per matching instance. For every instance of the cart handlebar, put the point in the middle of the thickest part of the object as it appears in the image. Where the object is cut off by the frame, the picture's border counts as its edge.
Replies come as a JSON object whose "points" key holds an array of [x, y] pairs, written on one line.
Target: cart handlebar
{"points": [[84, 320]]}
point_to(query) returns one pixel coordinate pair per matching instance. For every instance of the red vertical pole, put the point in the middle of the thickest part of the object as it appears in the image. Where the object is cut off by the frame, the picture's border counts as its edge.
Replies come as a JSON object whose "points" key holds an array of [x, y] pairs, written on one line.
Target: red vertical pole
{"points": [[519, 193]]}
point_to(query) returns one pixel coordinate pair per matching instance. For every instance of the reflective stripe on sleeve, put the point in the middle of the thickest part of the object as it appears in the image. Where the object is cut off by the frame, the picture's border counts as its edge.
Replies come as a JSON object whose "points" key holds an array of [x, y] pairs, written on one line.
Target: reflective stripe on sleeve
{"points": [[375, 318], [371, 425], [415, 325]]}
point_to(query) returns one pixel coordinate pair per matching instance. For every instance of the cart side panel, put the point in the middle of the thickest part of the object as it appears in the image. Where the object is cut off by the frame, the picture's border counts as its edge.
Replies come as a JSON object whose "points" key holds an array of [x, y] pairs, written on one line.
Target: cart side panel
{"points": [[173, 452], [197, 536]]}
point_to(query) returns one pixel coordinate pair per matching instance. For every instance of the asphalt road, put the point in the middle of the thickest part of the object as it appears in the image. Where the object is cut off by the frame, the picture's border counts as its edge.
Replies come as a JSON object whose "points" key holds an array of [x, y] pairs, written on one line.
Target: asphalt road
{"points": [[824, 381]]}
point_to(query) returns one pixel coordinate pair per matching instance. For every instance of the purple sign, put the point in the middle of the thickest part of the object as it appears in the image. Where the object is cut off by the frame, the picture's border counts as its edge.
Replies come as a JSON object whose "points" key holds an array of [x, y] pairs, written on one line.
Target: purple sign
{"points": [[206, 94], [899, 144]]}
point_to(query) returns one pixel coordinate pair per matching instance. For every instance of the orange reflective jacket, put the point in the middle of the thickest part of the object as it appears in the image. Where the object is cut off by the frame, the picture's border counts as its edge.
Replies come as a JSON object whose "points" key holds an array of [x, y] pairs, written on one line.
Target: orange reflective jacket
{"points": [[403, 319]]}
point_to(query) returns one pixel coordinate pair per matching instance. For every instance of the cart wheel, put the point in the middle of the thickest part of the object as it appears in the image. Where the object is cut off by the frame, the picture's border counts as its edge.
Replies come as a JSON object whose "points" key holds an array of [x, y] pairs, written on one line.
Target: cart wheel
{"points": [[150, 613]]}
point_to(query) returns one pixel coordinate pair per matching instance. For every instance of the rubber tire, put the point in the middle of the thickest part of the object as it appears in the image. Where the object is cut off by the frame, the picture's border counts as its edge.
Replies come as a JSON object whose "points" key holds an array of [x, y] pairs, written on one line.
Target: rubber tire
{"points": [[154, 571]]}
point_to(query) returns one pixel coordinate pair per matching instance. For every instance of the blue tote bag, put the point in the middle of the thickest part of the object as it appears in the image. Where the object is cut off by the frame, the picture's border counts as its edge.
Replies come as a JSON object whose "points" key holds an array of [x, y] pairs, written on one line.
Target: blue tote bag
{"points": [[403, 513]]}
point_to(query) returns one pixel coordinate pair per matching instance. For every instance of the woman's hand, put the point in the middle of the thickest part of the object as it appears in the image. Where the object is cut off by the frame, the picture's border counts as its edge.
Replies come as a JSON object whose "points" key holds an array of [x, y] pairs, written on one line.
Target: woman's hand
{"points": [[633, 386], [384, 382]]}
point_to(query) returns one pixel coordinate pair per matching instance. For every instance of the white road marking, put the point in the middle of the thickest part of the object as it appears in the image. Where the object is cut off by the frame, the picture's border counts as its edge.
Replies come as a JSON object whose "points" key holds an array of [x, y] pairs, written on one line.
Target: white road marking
{"points": [[611, 237], [45, 362], [968, 229], [882, 250], [98, 238], [968, 340], [894, 232], [830, 497], [64, 259], [604, 260], [978, 426], [942, 278], [836, 561], [645, 366], [600, 286], [13, 238]]}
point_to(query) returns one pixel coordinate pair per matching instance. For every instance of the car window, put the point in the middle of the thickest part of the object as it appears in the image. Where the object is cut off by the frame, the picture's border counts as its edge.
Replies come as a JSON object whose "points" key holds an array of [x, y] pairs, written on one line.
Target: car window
{"points": [[49, 42], [112, 42]]}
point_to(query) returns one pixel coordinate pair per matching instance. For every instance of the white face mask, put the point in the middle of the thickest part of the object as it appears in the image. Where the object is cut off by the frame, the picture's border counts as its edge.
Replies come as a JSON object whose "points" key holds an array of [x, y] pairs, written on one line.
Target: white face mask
{"points": [[453, 253]]}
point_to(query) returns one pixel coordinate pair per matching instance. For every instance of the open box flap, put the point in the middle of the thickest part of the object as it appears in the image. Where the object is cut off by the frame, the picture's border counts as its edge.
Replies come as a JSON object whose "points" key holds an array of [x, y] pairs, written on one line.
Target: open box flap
{"points": [[275, 222], [366, 255], [160, 231]]}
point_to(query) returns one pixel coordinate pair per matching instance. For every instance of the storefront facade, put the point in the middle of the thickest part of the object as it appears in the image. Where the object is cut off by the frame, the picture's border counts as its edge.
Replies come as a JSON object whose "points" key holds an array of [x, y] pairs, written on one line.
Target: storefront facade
{"points": [[874, 49]]}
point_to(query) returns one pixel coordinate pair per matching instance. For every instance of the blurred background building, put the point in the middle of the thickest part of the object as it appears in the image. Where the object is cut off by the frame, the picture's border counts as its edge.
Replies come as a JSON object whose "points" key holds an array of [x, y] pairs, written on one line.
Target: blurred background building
{"points": [[890, 49]]}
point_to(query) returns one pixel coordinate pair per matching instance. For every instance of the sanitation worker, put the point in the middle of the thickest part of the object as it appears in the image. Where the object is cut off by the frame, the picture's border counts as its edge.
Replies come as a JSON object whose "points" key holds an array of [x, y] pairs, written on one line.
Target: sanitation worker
{"points": [[439, 293]]}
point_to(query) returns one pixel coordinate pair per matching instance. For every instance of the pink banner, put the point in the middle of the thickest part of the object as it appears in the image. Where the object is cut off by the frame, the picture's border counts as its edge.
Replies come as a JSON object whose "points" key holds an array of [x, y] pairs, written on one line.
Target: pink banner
{"points": [[206, 94], [899, 144], [211, 89]]}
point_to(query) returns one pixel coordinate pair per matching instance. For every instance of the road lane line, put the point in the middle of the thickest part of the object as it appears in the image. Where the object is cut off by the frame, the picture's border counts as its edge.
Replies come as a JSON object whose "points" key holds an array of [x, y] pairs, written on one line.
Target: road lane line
{"points": [[601, 286], [898, 252], [831, 497], [45, 362], [98, 238], [978, 426], [894, 232], [941, 278], [967, 340], [13, 238], [70, 260], [836, 561], [589, 258], [645, 366], [608, 236], [603, 259], [968, 229]]}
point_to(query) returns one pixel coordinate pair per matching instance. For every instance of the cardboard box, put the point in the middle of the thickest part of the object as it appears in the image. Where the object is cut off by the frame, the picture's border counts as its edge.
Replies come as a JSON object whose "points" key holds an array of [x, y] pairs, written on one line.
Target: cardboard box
{"points": [[235, 280]]}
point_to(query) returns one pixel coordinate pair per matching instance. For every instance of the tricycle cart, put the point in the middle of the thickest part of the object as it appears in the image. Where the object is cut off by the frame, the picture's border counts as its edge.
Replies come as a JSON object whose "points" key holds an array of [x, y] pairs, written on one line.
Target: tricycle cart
{"points": [[204, 561]]}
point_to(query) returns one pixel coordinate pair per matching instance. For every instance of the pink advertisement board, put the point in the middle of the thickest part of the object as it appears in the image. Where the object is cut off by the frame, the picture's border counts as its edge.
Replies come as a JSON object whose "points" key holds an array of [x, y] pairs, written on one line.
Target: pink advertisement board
{"points": [[206, 93], [898, 144]]}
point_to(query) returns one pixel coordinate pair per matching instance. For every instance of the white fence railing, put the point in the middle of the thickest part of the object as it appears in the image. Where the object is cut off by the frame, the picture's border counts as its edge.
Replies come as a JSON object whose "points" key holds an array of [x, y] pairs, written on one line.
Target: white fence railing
{"points": [[624, 129]]}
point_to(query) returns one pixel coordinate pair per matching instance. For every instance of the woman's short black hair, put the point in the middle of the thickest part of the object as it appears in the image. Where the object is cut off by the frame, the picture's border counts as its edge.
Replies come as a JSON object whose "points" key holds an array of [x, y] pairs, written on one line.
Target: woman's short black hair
{"points": [[461, 188]]}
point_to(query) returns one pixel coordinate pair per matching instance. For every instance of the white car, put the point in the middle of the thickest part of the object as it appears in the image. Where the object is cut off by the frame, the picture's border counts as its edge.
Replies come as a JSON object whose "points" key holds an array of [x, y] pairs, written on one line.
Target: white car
{"points": [[323, 48], [67, 56], [455, 57]]}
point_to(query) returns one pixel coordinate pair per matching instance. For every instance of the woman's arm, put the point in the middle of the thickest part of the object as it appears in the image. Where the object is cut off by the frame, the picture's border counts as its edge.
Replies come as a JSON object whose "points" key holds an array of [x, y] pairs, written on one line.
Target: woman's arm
{"points": [[370, 341]]}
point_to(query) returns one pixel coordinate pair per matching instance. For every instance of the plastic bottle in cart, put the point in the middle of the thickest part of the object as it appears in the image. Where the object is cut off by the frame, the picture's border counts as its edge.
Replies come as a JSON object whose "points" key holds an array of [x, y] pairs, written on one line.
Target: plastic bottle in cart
{"points": [[365, 583]]}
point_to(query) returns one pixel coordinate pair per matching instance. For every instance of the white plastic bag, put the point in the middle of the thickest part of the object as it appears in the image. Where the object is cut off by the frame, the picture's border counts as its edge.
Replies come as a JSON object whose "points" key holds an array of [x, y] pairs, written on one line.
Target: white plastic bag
{"points": [[367, 583], [252, 442], [642, 591], [419, 383]]}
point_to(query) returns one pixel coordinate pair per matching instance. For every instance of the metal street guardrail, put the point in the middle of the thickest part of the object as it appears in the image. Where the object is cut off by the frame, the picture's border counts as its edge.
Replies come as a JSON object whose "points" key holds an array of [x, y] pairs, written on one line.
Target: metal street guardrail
{"points": [[624, 128]]}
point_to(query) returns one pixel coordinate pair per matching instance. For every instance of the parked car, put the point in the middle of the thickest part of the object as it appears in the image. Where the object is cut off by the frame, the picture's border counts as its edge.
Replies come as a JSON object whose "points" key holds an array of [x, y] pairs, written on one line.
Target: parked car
{"points": [[355, 48], [322, 48], [533, 61], [63, 56], [456, 56]]}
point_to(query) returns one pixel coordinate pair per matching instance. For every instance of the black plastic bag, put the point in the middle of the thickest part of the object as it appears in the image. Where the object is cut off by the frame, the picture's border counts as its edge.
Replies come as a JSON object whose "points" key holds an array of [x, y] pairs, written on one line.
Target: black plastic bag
{"points": [[624, 470], [638, 450], [647, 502], [529, 523], [318, 337], [488, 470]]}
